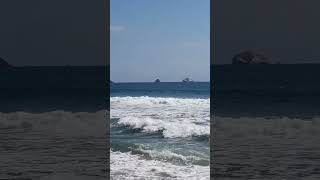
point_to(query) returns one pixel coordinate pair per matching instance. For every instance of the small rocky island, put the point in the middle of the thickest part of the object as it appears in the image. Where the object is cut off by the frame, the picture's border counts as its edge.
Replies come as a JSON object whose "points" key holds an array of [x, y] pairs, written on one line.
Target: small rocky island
{"points": [[4, 64], [250, 57], [157, 81], [186, 80]]}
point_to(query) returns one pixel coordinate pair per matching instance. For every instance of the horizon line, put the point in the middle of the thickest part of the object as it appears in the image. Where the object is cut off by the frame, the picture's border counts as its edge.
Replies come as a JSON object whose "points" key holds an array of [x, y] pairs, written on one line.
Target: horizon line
{"points": [[264, 64], [156, 82]]}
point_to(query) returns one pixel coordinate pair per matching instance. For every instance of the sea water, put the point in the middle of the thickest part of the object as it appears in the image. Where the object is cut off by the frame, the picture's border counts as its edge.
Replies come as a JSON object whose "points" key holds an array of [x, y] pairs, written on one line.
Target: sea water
{"points": [[53, 123], [160, 130], [266, 121]]}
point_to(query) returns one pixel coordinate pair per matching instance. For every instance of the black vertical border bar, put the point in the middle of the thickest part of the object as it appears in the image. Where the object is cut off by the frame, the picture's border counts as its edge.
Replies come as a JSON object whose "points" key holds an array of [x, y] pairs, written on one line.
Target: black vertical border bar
{"points": [[107, 93], [211, 88]]}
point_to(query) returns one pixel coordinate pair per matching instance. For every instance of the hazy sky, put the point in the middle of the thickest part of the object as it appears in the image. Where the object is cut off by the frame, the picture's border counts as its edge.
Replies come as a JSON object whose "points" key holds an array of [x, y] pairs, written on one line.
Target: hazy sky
{"points": [[53, 32], [165, 39], [286, 30]]}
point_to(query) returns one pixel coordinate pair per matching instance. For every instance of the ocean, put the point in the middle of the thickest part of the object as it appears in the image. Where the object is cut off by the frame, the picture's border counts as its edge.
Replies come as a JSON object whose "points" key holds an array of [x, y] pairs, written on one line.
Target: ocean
{"points": [[265, 124], [265, 121], [160, 130], [53, 123]]}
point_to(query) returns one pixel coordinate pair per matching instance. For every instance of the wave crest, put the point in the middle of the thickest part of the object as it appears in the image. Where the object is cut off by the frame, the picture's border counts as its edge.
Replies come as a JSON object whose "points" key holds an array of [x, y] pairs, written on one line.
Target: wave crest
{"points": [[173, 117], [169, 129]]}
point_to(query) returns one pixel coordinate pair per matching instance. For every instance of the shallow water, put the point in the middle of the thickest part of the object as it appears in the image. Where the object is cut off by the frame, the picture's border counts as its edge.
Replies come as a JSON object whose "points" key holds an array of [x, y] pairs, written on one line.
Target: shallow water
{"points": [[159, 133]]}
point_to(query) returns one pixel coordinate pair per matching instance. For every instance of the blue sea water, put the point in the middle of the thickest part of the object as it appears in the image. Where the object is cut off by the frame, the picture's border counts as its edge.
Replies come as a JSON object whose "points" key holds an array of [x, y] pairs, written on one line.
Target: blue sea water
{"points": [[52, 122], [160, 130]]}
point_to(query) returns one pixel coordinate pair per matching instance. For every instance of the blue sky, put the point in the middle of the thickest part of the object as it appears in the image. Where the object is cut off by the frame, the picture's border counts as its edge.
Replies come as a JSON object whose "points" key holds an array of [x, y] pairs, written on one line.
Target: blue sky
{"points": [[165, 39]]}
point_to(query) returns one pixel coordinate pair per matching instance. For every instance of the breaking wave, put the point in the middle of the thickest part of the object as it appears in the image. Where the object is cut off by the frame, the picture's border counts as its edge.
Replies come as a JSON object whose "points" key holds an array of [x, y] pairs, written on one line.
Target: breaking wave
{"points": [[168, 155], [168, 129], [137, 167], [160, 137], [174, 117]]}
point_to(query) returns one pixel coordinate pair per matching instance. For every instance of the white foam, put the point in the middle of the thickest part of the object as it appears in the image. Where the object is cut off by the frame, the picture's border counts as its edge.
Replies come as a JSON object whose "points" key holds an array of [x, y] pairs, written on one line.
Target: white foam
{"points": [[129, 166], [171, 129], [169, 156], [176, 117]]}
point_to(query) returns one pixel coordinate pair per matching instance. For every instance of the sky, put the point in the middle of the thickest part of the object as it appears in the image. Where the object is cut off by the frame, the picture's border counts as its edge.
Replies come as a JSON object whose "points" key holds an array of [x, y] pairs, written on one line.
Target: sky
{"points": [[165, 39], [168, 39], [53, 32], [286, 31]]}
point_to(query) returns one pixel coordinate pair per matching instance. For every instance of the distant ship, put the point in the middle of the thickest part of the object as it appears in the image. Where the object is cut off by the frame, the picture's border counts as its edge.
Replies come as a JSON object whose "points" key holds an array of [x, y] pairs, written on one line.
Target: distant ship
{"points": [[186, 80]]}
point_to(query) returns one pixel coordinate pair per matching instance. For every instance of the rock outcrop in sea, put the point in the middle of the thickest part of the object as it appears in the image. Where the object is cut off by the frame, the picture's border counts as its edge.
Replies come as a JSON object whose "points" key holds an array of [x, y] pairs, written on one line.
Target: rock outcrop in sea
{"points": [[250, 57], [187, 80], [157, 81], [4, 64]]}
